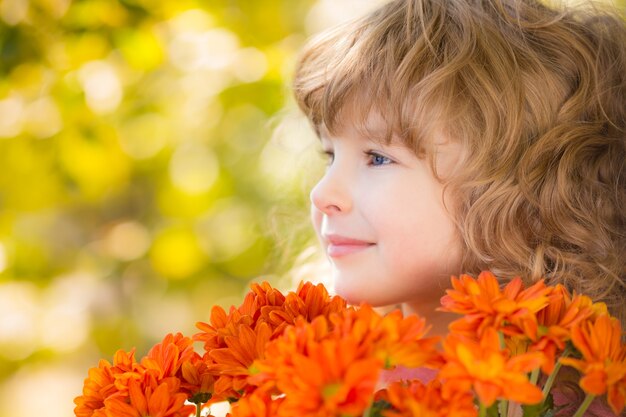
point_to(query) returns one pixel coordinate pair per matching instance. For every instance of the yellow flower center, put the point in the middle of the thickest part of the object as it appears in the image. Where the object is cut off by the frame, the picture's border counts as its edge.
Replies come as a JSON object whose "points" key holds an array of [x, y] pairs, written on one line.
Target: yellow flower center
{"points": [[330, 390]]}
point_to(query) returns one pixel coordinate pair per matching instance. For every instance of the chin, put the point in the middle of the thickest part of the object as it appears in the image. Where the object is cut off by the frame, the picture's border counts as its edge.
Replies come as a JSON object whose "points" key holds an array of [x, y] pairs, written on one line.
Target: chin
{"points": [[348, 292], [355, 295]]}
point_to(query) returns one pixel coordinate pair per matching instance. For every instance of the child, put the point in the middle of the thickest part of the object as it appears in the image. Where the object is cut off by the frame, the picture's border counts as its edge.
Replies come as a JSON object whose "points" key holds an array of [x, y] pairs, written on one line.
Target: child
{"points": [[466, 135]]}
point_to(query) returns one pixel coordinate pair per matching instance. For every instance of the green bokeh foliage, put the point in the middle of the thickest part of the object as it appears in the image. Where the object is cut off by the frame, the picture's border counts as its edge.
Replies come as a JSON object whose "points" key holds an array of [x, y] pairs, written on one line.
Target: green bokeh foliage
{"points": [[130, 164]]}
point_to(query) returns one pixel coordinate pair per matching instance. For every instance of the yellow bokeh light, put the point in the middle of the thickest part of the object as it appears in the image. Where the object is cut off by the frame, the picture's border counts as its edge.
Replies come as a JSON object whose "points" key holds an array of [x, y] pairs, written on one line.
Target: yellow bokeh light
{"points": [[194, 168], [229, 229], [12, 111], [157, 314], [95, 166], [176, 253], [18, 328], [174, 202], [213, 49], [291, 144], [43, 118], [56, 8], [191, 20], [249, 65], [102, 86], [54, 384], [87, 47], [13, 11], [144, 136], [127, 241], [142, 49]]}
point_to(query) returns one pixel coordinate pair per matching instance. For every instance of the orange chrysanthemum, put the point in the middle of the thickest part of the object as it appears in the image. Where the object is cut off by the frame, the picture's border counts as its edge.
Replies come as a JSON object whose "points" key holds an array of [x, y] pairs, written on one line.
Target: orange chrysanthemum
{"points": [[333, 365], [603, 362], [149, 398], [175, 357], [233, 341], [416, 399], [167, 357], [320, 373], [309, 354], [309, 301], [279, 353], [394, 339], [233, 362], [198, 380], [490, 370], [556, 321], [484, 305], [111, 389], [257, 404], [100, 383], [266, 304], [331, 380]]}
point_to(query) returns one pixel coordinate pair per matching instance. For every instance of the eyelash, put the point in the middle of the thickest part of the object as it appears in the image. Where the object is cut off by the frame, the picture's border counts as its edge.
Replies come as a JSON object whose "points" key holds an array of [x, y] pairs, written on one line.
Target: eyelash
{"points": [[330, 156]]}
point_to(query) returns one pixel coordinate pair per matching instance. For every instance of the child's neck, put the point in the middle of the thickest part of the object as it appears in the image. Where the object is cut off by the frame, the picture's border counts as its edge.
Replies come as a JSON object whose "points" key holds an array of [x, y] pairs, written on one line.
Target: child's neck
{"points": [[437, 320]]}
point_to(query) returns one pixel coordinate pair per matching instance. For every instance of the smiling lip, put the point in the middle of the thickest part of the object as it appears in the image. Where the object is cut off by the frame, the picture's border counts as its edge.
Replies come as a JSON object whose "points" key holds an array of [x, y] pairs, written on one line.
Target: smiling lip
{"points": [[341, 245]]}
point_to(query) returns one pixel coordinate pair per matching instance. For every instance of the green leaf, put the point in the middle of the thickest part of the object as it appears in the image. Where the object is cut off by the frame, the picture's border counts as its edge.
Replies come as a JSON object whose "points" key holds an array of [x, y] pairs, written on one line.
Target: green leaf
{"points": [[493, 410], [543, 409], [378, 407]]}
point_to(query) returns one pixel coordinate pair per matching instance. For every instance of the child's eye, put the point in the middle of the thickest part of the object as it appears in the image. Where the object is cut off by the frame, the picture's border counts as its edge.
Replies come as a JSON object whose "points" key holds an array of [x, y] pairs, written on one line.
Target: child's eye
{"points": [[377, 159], [328, 155]]}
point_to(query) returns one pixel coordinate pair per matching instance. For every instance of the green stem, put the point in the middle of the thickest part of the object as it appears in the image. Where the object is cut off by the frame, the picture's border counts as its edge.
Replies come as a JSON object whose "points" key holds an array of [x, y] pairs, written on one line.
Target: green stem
{"points": [[534, 376], [583, 407], [198, 409], [504, 408], [482, 411], [552, 377], [548, 386]]}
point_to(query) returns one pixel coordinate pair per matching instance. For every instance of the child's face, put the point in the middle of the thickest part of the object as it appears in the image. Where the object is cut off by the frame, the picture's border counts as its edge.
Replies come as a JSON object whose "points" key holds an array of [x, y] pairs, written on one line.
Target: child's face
{"points": [[388, 199]]}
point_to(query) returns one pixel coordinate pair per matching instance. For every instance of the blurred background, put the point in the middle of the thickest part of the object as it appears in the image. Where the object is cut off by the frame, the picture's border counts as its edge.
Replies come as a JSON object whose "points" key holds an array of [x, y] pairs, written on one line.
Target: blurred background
{"points": [[152, 164]]}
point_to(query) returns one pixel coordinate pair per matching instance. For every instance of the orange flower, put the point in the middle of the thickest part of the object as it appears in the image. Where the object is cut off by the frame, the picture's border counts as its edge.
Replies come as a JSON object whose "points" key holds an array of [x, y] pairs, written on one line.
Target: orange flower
{"points": [[556, 321], [416, 399], [484, 305], [100, 383], [489, 370], [320, 372], [221, 326], [266, 304], [168, 356], [197, 380], [603, 362], [233, 341], [332, 377], [308, 302], [395, 339], [280, 352], [149, 398], [257, 404], [314, 359], [233, 362]]}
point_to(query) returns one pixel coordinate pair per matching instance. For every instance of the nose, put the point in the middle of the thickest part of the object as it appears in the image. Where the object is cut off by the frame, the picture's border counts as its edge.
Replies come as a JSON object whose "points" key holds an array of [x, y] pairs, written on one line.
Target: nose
{"points": [[331, 195]]}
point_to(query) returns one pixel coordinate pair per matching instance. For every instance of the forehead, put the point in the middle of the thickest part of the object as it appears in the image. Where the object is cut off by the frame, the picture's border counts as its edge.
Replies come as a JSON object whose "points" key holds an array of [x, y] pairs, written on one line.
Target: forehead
{"points": [[355, 122]]}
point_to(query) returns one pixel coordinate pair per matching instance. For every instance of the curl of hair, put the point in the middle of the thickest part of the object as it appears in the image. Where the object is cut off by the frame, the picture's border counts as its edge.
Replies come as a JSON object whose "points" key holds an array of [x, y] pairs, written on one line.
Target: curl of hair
{"points": [[535, 94]]}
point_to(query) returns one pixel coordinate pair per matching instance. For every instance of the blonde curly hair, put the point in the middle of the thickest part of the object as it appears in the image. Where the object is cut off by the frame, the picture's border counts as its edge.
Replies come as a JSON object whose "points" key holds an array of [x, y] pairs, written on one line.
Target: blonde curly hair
{"points": [[534, 93]]}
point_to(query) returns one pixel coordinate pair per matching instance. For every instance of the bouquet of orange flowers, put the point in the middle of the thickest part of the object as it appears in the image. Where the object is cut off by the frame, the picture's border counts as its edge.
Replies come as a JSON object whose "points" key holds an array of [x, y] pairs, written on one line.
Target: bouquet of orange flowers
{"points": [[310, 354]]}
